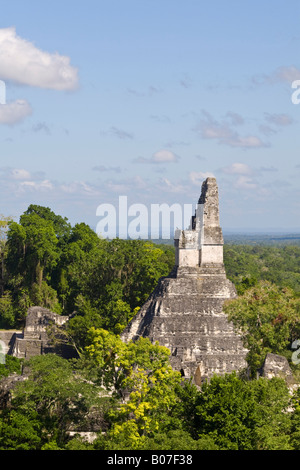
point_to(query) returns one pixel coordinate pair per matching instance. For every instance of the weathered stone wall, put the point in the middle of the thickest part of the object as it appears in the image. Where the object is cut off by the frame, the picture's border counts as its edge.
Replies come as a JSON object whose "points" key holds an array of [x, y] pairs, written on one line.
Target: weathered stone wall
{"points": [[8, 337], [276, 366], [34, 340], [185, 311]]}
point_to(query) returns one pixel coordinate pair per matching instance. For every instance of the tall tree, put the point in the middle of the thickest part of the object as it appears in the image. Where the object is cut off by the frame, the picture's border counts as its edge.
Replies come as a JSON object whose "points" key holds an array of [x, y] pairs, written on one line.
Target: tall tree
{"points": [[244, 415], [268, 318], [142, 371]]}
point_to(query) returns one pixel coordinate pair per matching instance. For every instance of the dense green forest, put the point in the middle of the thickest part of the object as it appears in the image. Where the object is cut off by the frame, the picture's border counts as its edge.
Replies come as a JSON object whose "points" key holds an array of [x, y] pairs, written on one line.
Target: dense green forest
{"points": [[101, 284]]}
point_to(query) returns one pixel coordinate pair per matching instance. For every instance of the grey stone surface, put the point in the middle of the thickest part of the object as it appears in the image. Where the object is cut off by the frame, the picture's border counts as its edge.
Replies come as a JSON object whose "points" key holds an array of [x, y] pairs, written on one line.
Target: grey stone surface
{"points": [[185, 311], [35, 339], [277, 366], [8, 338], [7, 385]]}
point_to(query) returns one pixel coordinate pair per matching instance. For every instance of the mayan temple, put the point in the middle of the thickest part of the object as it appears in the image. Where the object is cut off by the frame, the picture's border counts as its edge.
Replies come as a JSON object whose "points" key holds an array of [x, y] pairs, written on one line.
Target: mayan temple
{"points": [[185, 311]]}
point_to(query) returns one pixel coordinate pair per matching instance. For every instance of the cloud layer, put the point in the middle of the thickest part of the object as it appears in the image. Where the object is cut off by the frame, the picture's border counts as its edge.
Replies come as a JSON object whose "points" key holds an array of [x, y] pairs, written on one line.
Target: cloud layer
{"points": [[22, 62], [162, 156], [14, 112], [224, 132]]}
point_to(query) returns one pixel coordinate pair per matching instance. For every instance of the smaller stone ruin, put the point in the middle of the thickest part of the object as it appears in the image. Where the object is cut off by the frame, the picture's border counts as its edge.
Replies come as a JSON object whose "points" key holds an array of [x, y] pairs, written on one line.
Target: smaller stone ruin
{"points": [[277, 366], [40, 336]]}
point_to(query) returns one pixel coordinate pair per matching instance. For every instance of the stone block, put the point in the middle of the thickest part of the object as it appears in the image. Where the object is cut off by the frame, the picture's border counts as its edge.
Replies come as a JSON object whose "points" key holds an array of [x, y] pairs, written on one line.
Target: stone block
{"points": [[185, 310]]}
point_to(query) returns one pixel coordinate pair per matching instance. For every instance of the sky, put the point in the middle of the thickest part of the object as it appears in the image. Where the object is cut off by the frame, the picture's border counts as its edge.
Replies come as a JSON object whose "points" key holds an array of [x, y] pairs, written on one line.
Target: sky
{"points": [[104, 99]]}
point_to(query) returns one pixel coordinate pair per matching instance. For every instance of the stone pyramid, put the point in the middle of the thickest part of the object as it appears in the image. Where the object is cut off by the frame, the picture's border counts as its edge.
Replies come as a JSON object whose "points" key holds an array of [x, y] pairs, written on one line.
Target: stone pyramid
{"points": [[184, 312]]}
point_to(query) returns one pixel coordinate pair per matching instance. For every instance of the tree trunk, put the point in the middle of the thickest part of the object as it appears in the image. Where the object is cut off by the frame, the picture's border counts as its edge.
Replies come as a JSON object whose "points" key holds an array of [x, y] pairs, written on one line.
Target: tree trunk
{"points": [[39, 274]]}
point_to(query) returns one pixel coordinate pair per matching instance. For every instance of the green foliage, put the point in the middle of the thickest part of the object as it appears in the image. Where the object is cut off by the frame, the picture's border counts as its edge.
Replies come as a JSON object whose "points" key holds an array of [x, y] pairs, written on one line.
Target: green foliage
{"points": [[103, 284], [178, 440], [68, 269], [295, 420], [60, 225], [7, 312], [142, 370], [246, 264], [32, 253], [268, 318], [36, 237], [12, 365], [77, 443], [46, 296], [18, 432], [55, 397], [244, 415]]}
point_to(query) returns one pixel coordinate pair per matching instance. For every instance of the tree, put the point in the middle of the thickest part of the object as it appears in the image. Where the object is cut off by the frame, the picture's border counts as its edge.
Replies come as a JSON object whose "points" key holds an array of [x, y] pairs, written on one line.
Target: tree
{"points": [[31, 255], [40, 245], [75, 274], [7, 314], [178, 439], [31, 248], [56, 395], [244, 415], [4, 222], [60, 224], [107, 282], [140, 370], [12, 365], [277, 264], [295, 419], [18, 432], [268, 318]]}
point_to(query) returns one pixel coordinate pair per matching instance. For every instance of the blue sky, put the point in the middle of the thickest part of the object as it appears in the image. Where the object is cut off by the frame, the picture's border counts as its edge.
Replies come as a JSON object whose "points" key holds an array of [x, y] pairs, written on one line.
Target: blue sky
{"points": [[145, 98]]}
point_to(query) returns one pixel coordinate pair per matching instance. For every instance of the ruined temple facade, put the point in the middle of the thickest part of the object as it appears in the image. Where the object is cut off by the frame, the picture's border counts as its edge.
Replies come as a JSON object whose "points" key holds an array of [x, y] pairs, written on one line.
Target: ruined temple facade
{"points": [[185, 311], [41, 335]]}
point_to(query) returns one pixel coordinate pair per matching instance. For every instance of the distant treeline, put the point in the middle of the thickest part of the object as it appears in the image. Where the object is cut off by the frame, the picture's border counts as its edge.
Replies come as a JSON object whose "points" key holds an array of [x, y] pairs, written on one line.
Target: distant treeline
{"points": [[47, 262], [247, 264], [262, 238]]}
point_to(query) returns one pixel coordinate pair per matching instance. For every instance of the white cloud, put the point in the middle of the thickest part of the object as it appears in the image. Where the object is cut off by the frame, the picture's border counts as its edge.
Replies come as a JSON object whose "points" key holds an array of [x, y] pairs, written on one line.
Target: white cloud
{"points": [[238, 169], [242, 176], [20, 174], [244, 182], [14, 112], [22, 62], [209, 128], [250, 141], [197, 177], [37, 185], [162, 156], [102, 168], [126, 185], [78, 187], [166, 185]]}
